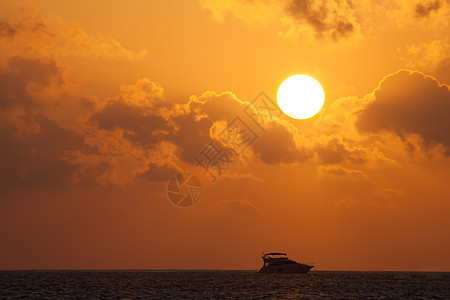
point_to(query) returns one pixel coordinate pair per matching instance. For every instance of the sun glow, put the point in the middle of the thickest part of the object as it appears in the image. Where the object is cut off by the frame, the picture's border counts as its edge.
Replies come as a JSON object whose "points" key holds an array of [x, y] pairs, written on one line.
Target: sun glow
{"points": [[300, 97]]}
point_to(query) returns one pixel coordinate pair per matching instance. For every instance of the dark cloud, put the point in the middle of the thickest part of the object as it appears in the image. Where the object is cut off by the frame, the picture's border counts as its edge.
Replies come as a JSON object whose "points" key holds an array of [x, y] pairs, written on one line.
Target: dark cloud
{"points": [[409, 102], [424, 9], [333, 19], [332, 153], [32, 152], [157, 173], [140, 126], [277, 145], [335, 152], [187, 126], [7, 30], [19, 74], [338, 172], [149, 122], [199, 115], [442, 69], [146, 120], [34, 145], [321, 17]]}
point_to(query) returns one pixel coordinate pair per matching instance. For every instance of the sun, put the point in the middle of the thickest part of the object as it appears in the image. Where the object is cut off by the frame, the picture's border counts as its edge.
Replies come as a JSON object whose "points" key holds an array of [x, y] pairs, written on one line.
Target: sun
{"points": [[300, 97]]}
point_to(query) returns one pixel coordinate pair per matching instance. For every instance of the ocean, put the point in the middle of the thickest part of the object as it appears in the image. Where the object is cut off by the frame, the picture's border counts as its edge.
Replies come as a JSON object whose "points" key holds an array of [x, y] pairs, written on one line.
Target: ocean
{"points": [[222, 285]]}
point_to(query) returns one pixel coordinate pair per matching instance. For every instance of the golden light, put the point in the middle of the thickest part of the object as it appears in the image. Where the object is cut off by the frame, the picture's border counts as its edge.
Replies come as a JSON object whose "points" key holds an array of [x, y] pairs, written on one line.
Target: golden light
{"points": [[300, 97]]}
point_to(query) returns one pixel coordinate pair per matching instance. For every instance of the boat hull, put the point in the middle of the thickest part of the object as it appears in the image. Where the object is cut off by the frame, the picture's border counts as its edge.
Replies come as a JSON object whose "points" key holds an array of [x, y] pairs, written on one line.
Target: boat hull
{"points": [[289, 269]]}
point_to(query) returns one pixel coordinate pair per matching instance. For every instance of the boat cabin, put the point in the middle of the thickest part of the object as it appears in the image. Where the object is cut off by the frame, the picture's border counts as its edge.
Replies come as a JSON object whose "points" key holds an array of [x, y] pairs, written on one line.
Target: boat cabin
{"points": [[276, 258]]}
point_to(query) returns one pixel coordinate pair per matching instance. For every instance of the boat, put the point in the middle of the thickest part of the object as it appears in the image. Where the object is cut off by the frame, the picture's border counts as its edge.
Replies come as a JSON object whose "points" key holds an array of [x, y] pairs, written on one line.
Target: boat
{"points": [[276, 262]]}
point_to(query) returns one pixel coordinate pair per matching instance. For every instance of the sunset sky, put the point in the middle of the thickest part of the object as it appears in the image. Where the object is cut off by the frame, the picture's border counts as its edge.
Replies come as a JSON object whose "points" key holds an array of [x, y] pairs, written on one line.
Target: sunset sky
{"points": [[103, 102]]}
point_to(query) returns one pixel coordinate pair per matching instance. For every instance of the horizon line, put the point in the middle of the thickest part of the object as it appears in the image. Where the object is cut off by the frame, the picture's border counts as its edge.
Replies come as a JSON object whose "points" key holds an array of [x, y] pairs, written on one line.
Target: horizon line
{"points": [[207, 270]]}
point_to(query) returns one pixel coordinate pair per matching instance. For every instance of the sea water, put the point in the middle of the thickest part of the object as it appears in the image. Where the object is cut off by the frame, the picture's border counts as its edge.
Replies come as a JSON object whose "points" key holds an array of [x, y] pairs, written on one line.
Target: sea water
{"points": [[222, 285]]}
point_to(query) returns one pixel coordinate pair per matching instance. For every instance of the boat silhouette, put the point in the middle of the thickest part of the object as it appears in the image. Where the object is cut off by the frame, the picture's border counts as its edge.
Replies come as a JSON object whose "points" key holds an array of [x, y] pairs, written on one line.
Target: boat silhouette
{"points": [[277, 262]]}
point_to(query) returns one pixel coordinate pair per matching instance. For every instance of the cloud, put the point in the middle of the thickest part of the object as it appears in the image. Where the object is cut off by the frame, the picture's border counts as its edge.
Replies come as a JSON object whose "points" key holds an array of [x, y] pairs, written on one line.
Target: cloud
{"points": [[37, 102], [248, 176], [159, 132], [358, 204], [145, 118], [138, 124], [389, 193], [238, 206], [333, 138], [157, 173], [409, 102], [386, 199], [163, 136], [341, 173], [139, 134], [107, 158], [33, 149], [432, 57], [336, 151], [277, 145], [34, 144], [40, 85], [24, 31], [7, 30], [325, 19], [40, 125], [424, 9], [338, 20], [19, 74]]}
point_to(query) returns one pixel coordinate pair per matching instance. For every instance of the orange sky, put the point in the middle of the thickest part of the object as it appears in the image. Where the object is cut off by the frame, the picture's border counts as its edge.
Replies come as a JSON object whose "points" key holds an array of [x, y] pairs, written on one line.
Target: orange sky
{"points": [[102, 102]]}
